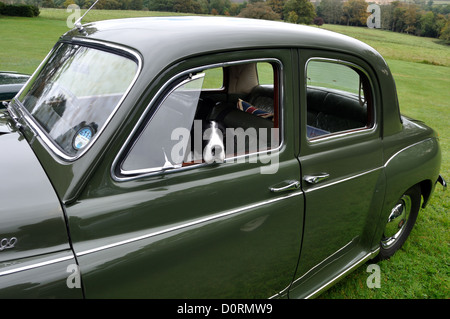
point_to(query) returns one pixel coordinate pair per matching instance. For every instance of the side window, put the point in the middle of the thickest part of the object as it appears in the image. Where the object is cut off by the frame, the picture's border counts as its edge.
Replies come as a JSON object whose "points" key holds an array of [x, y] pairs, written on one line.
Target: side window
{"points": [[153, 150], [265, 73], [213, 79], [216, 115], [339, 98]]}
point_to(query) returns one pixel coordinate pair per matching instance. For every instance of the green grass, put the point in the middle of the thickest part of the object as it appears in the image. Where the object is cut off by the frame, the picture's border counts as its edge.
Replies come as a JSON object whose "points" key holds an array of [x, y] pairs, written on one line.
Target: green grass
{"points": [[26, 41], [398, 46], [421, 68]]}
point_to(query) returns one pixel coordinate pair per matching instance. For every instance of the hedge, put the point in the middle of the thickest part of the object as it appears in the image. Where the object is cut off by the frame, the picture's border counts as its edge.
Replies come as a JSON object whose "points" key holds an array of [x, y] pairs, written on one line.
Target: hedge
{"points": [[21, 10]]}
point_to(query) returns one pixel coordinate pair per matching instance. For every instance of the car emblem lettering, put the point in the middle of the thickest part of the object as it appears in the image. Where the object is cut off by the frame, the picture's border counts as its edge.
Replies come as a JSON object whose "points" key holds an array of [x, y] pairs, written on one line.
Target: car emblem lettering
{"points": [[7, 243]]}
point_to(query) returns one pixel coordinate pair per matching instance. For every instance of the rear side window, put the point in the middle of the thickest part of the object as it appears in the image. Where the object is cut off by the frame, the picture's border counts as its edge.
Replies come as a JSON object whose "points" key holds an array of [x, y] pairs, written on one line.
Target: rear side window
{"points": [[339, 98]]}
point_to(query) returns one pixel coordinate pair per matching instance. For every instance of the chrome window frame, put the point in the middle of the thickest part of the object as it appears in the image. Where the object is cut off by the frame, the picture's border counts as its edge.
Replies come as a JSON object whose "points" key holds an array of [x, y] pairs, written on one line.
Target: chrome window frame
{"points": [[96, 45], [350, 132], [121, 156]]}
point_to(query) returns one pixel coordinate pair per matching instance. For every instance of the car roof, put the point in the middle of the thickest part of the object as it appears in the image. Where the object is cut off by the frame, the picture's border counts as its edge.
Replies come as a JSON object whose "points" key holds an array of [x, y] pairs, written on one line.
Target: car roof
{"points": [[167, 39]]}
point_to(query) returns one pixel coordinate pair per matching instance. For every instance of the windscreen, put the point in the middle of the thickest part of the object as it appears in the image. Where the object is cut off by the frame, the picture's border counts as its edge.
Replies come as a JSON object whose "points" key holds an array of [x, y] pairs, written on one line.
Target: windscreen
{"points": [[76, 92]]}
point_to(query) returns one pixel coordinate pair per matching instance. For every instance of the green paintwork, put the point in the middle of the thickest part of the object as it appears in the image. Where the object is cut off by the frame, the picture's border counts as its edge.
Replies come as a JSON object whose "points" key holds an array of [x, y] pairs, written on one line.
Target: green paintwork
{"points": [[30, 212], [212, 231]]}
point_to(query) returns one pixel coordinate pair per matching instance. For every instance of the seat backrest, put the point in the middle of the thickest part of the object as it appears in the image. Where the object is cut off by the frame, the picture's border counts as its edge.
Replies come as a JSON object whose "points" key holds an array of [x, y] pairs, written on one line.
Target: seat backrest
{"points": [[261, 97], [248, 132], [333, 111]]}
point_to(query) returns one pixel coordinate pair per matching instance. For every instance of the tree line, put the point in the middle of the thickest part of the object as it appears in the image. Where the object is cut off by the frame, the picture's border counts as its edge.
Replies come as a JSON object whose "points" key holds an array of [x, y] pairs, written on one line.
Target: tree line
{"points": [[417, 17]]}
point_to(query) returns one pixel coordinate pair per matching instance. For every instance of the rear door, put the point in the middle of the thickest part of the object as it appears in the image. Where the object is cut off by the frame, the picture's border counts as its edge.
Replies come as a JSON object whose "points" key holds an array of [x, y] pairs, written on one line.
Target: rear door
{"points": [[341, 161]]}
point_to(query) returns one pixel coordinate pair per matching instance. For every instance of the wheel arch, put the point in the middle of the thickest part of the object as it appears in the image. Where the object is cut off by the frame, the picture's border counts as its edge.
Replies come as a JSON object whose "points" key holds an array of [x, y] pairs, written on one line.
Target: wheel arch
{"points": [[416, 164]]}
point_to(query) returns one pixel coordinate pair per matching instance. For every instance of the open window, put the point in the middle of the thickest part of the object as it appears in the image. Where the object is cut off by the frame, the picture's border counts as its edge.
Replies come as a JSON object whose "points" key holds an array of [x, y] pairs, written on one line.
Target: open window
{"points": [[212, 115], [339, 98]]}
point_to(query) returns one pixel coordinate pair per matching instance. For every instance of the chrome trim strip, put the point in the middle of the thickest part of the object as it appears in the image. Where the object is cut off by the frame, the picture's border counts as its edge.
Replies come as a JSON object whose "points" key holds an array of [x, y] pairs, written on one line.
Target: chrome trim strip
{"points": [[324, 261], [313, 188], [330, 283], [332, 136], [49, 142], [405, 148], [117, 163], [286, 290], [37, 265], [35, 71], [185, 225]]}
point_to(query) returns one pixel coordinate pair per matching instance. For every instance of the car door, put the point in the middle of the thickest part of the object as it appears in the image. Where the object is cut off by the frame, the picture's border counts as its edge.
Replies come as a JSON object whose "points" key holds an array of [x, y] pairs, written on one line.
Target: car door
{"points": [[341, 163], [155, 226]]}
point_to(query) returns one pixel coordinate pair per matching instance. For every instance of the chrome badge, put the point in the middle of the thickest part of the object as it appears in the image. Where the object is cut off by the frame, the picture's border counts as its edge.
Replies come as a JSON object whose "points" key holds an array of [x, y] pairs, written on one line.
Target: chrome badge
{"points": [[7, 243]]}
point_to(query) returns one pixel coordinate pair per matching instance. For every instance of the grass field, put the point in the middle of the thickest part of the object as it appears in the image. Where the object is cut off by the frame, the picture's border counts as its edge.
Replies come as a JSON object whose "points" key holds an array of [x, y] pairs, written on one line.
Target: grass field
{"points": [[421, 67]]}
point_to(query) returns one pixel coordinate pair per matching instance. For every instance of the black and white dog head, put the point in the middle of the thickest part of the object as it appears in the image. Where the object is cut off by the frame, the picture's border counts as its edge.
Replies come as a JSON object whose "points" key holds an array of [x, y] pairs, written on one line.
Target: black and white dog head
{"points": [[213, 142]]}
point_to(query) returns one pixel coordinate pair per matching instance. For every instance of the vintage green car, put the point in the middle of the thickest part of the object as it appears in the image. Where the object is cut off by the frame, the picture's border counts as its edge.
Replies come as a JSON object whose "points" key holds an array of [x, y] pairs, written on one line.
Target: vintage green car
{"points": [[202, 157], [10, 85]]}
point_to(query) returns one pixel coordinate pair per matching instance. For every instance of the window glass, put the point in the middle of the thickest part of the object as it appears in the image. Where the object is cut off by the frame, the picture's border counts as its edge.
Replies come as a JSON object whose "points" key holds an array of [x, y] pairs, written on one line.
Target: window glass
{"points": [[155, 148], [194, 124], [76, 92], [265, 73], [336, 98], [213, 79]]}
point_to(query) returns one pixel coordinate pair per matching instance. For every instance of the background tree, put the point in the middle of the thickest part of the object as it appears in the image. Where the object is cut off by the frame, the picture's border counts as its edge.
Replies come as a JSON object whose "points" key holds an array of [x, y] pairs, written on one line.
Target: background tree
{"points": [[109, 5], [48, 4], [355, 12], [304, 10], [220, 6], [160, 5], [445, 32], [411, 18], [187, 6], [318, 21], [277, 6], [259, 10], [428, 26], [330, 10], [386, 14], [292, 17], [136, 5]]}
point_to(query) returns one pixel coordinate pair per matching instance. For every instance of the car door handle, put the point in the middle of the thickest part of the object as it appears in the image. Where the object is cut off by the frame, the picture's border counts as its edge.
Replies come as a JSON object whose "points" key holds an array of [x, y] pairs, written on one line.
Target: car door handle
{"points": [[292, 185], [314, 179]]}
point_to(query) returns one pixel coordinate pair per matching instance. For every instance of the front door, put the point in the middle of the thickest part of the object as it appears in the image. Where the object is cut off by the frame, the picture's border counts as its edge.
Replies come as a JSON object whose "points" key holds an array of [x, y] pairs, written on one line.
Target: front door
{"points": [[169, 224]]}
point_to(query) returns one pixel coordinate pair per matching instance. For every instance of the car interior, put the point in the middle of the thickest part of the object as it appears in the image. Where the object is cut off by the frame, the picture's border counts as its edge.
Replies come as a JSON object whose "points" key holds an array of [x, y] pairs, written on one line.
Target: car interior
{"points": [[238, 108], [244, 102]]}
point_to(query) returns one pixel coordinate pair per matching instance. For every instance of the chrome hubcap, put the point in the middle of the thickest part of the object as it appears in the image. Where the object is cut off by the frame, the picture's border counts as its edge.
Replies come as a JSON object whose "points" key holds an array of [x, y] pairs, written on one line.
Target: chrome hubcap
{"points": [[396, 222]]}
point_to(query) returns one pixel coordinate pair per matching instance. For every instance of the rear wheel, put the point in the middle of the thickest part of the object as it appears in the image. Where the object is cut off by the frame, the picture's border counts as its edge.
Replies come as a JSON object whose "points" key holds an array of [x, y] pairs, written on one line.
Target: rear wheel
{"points": [[400, 222]]}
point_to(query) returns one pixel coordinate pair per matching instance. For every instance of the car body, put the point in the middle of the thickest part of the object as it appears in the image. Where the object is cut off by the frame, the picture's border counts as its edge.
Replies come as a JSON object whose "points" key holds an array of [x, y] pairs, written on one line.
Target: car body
{"points": [[10, 85], [202, 157]]}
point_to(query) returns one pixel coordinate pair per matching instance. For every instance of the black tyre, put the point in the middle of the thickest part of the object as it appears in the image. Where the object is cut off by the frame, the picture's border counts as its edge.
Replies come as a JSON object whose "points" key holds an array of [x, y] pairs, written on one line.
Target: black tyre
{"points": [[400, 222]]}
